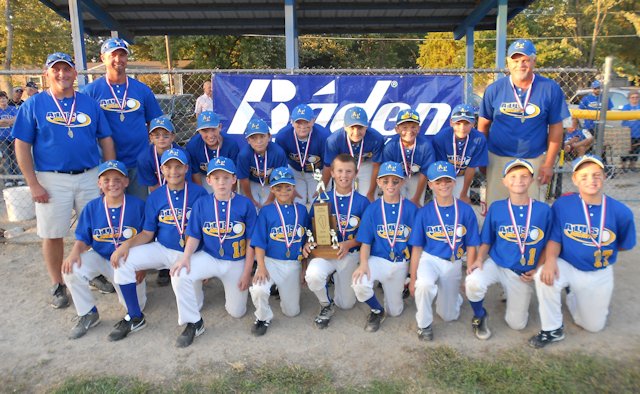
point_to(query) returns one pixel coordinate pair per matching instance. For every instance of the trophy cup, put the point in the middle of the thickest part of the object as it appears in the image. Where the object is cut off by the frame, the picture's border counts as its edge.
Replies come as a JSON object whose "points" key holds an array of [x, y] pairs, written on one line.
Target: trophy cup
{"points": [[323, 225]]}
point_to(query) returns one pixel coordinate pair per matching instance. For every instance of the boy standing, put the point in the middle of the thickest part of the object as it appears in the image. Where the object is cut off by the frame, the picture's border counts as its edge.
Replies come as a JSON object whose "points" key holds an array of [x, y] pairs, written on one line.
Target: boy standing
{"points": [[223, 228], [347, 206], [257, 161], [277, 241], [444, 231], [514, 235], [415, 153], [104, 224], [384, 253], [588, 230]]}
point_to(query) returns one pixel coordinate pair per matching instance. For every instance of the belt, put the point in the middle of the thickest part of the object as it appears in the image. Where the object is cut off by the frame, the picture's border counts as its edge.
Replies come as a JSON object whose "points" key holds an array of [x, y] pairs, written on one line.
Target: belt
{"points": [[518, 272], [73, 172]]}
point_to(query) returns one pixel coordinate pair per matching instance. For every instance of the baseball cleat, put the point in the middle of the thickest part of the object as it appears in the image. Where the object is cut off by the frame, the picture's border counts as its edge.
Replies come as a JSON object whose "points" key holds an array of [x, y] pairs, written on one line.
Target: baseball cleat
{"points": [[164, 279], [480, 326], [101, 284], [543, 338], [191, 331], [260, 328], [127, 325], [60, 298], [425, 334], [324, 317], [85, 322], [374, 321]]}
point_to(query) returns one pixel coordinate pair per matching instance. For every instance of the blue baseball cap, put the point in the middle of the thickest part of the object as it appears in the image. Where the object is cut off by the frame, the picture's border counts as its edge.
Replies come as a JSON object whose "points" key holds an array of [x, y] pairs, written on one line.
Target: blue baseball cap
{"points": [[441, 169], [161, 122], [516, 163], [256, 126], [463, 112], [355, 116], [281, 175], [208, 119], [59, 57], [221, 163], [587, 159], [113, 165], [596, 84], [523, 47], [407, 115], [391, 168], [113, 44], [176, 154], [302, 112]]}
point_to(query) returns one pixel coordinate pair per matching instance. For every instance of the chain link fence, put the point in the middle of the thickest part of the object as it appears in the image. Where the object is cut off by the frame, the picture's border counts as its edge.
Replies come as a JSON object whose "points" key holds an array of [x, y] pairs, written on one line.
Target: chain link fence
{"points": [[177, 91]]}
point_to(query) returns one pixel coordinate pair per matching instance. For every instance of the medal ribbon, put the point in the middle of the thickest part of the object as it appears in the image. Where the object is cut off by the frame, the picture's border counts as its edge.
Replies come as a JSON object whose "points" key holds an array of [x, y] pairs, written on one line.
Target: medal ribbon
{"points": [[161, 180], [392, 243], [227, 220], [351, 151], [527, 97], [343, 230], [206, 151], [124, 96], [179, 227], [116, 242], [303, 159], [522, 245], [455, 155], [67, 120], [288, 242], [407, 167], [450, 241], [603, 213], [262, 180]]}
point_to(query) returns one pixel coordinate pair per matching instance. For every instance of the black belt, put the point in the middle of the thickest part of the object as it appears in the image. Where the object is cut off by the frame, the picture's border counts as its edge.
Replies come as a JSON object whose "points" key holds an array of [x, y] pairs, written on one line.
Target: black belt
{"points": [[73, 172]]}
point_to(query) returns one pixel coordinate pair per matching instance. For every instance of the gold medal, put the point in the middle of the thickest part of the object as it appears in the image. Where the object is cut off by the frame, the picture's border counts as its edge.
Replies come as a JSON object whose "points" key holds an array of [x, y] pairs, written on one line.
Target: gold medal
{"points": [[392, 256], [522, 260], [288, 254], [221, 251], [181, 242], [70, 133], [122, 116]]}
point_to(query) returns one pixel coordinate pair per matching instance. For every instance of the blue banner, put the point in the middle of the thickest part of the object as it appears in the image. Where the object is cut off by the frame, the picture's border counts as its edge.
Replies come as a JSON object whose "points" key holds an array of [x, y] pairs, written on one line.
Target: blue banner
{"points": [[238, 98]]}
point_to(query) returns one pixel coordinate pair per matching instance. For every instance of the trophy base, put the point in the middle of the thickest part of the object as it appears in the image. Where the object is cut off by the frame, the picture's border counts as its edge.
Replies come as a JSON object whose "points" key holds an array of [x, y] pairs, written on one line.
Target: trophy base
{"points": [[325, 252]]}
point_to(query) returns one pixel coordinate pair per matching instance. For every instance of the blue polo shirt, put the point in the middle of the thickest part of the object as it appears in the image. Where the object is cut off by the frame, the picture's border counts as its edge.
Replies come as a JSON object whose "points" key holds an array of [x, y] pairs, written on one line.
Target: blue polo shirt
{"points": [[7, 113]]}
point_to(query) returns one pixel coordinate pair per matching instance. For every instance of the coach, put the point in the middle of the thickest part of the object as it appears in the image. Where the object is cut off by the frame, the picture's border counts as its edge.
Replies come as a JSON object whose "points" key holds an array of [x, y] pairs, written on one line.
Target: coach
{"points": [[56, 141], [521, 115]]}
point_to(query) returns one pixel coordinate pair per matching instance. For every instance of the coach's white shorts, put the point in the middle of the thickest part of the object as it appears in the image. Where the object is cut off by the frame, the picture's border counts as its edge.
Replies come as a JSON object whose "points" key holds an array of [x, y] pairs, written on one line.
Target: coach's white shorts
{"points": [[588, 302], [436, 276], [144, 257], [410, 186], [320, 269], [496, 190], [518, 292], [260, 193], [305, 186], [188, 286], [66, 193], [392, 276], [286, 275], [92, 265]]}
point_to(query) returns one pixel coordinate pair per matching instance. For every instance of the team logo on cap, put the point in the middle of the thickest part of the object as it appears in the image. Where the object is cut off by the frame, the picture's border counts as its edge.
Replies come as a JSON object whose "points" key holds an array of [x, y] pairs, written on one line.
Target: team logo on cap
{"points": [[536, 234], [113, 105], [391, 167], [355, 115], [235, 230], [106, 235], [206, 118], [579, 233], [79, 119], [519, 44]]}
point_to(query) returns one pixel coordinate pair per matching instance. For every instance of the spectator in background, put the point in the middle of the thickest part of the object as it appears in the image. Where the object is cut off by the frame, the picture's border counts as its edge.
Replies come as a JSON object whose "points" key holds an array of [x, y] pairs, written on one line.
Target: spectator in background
{"points": [[205, 102], [629, 162], [16, 98], [593, 101], [31, 89], [7, 158]]}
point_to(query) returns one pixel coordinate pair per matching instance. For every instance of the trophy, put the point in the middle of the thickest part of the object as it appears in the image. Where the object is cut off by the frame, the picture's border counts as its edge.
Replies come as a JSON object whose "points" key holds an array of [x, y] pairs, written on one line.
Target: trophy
{"points": [[323, 239]]}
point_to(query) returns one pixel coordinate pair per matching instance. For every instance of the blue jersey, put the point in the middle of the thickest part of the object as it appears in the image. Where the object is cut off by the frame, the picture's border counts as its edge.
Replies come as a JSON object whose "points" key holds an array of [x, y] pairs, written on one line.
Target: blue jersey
{"points": [[476, 155], [131, 134], [147, 170], [315, 149], [592, 102], [634, 125], [199, 154], [269, 234], [509, 135], [352, 224], [242, 220], [246, 163], [7, 114], [159, 219], [581, 134], [569, 228], [93, 227], [371, 146], [429, 234], [373, 232], [417, 158], [56, 146], [498, 232]]}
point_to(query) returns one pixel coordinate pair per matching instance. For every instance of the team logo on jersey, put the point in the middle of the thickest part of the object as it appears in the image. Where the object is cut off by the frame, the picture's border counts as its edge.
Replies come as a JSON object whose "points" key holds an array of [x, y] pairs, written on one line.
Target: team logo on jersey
{"points": [[595, 105], [402, 232], [112, 105], [514, 110], [276, 233], [437, 234], [79, 119], [311, 159], [354, 222], [259, 174], [165, 216], [508, 234], [459, 161], [213, 229], [578, 232], [105, 235]]}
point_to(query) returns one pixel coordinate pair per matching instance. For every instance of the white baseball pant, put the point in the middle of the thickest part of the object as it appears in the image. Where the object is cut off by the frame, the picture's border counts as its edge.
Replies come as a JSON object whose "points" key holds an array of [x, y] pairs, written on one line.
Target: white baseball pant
{"points": [[260, 193], [364, 177], [518, 292], [188, 286], [144, 257], [320, 269], [588, 301], [410, 186], [392, 277], [458, 187], [286, 275], [447, 275], [305, 186], [92, 265]]}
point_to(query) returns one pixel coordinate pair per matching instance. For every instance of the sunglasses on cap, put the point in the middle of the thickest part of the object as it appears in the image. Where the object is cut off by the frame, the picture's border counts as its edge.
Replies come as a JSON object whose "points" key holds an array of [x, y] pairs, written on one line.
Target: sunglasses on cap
{"points": [[281, 175], [114, 43], [59, 57], [409, 115], [463, 113]]}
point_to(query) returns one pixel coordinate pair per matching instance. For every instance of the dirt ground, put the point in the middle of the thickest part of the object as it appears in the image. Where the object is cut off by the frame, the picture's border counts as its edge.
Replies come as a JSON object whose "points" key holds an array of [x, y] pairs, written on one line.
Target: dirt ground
{"points": [[36, 352]]}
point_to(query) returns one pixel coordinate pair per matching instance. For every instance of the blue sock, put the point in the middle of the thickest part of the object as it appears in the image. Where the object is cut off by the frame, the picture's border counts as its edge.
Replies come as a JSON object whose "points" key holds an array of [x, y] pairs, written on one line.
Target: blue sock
{"points": [[374, 304], [130, 296], [94, 310], [478, 309]]}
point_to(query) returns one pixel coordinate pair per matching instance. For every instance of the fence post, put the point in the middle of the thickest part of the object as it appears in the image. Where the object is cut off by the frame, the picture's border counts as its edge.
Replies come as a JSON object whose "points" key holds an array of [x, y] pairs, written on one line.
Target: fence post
{"points": [[604, 100]]}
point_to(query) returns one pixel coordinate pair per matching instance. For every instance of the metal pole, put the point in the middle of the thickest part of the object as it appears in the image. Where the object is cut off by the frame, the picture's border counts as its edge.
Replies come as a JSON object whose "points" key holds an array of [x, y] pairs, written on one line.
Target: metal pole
{"points": [[166, 46], [77, 35], [501, 34], [604, 100], [468, 76]]}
